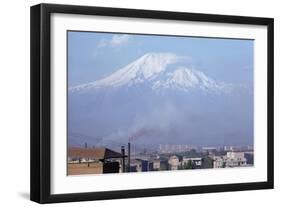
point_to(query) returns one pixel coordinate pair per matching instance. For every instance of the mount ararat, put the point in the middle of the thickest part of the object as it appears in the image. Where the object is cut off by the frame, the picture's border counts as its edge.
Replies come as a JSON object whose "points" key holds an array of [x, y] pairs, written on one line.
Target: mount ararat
{"points": [[169, 102]]}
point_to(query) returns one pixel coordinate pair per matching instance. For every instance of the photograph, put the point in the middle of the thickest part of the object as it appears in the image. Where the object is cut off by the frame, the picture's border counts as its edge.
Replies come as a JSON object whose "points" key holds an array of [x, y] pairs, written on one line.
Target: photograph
{"points": [[138, 103], [133, 103]]}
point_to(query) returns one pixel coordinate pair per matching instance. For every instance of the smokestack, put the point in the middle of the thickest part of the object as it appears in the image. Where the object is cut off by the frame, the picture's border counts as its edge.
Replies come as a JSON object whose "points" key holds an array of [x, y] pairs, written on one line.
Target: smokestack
{"points": [[123, 158], [129, 156]]}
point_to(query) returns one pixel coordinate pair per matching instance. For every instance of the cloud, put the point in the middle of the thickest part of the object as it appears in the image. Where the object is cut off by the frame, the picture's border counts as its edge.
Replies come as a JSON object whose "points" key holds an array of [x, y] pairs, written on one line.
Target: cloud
{"points": [[115, 41], [118, 40]]}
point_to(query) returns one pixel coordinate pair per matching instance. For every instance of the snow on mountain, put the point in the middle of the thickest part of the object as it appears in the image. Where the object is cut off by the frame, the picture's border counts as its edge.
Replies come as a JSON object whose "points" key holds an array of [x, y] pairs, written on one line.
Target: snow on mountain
{"points": [[154, 69], [159, 93], [185, 79]]}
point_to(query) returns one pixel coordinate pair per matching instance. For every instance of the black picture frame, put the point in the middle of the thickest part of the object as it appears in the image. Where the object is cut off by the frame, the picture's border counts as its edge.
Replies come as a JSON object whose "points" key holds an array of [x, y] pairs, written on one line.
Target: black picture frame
{"points": [[41, 98]]}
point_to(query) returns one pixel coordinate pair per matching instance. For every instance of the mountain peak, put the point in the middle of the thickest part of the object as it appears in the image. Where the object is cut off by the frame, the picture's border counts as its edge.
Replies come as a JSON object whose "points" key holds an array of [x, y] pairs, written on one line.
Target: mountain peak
{"points": [[139, 70], [185, 79], [151, 64], [151, 68]]}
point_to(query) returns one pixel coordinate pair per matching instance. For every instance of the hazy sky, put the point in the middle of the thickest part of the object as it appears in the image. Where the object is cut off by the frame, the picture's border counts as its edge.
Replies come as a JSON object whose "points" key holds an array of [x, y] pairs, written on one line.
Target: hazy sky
{"points": [[93, 55], [198, 118]]}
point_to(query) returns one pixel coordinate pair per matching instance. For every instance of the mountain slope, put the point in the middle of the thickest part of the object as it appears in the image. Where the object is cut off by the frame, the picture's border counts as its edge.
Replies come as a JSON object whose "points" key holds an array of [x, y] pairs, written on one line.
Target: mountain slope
{"points": [[159, 71]]}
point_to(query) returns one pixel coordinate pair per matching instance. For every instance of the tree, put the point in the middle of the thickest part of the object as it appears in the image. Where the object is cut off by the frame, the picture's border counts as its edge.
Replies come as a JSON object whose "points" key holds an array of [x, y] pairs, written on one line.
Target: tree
{"points": [[187, 165]]}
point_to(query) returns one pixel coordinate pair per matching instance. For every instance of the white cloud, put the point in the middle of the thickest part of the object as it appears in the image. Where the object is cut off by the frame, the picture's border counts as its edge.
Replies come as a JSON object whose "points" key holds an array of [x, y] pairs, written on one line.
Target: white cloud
{"points": [[115, 41], [118, 40]]}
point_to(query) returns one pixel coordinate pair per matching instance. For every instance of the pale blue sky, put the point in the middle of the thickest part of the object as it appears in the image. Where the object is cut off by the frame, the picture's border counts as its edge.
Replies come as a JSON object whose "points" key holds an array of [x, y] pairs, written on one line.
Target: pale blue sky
{"points": [[93, 55]]}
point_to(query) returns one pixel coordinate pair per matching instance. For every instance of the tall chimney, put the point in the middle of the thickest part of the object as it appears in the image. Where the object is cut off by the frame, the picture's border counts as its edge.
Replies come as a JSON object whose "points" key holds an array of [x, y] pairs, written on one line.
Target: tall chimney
{"points": [[129, 156], [123, 159]]}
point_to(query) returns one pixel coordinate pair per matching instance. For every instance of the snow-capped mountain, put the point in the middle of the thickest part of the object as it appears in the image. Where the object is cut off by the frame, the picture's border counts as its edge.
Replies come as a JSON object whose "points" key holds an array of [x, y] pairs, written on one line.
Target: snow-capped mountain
{"points": [[186, 79], [159, 71], [161, 95]]}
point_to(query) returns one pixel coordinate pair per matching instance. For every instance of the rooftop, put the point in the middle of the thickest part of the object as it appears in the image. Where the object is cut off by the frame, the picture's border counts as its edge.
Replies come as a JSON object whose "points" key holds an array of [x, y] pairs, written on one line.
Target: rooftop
{"points": [[96, 153]]}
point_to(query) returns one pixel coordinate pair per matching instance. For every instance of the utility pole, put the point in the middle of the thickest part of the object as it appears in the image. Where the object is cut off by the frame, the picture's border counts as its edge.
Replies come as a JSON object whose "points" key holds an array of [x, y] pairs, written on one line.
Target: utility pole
{"points": [[123, 159]]}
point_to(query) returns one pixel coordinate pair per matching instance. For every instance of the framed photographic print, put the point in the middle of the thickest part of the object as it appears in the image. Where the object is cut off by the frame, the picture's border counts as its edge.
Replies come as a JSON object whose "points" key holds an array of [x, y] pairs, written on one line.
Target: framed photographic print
{"points": [[133, 103]]}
